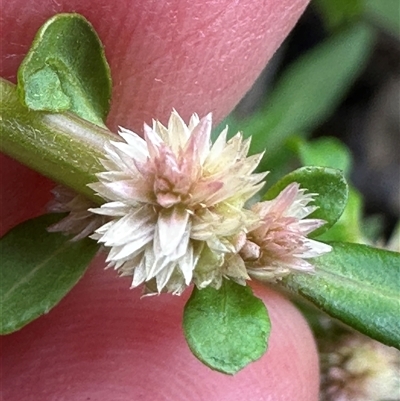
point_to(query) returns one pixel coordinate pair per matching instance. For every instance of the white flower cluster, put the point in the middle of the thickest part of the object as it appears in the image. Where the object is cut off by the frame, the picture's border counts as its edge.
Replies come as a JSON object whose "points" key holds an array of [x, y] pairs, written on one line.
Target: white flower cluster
{"points": [[176, 211]]}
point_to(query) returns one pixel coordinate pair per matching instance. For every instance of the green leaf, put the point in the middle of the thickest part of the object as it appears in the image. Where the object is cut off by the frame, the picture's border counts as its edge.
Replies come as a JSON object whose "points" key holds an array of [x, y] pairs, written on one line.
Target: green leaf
{"points": [[373, 228], [38, 269], [359, 285], [386, 14], [324, 152], [328, 183], [348, 227], [330, 152], [66, 70], [307, 92], [227, 328], [339, 12]]}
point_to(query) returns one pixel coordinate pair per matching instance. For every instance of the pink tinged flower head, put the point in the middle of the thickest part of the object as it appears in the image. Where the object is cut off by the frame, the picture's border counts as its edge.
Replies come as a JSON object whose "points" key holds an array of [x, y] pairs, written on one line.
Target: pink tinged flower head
{"points": [[176, 203], [279, 245]]}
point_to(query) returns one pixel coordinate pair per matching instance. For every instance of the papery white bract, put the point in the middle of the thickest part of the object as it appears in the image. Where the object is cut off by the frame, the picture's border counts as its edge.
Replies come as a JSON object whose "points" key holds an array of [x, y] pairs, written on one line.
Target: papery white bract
{"points": [[79, 222], [279, 245], [176, 204]]}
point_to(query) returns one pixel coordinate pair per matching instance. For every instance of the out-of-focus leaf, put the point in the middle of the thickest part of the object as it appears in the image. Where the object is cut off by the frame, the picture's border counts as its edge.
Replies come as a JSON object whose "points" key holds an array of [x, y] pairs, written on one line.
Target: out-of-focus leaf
{"points": [[37, 270], [307, 92], [339, 12], [373, 227], [324, 152], [386, 13], [394, 240]]}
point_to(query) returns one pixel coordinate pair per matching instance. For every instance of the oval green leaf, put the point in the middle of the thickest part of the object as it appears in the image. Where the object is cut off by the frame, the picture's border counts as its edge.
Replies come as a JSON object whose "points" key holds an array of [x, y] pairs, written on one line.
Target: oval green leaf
{"points": [[348, 227], [66, 70], [37, 270], [358, 285], [328, 183], [228, 328]]}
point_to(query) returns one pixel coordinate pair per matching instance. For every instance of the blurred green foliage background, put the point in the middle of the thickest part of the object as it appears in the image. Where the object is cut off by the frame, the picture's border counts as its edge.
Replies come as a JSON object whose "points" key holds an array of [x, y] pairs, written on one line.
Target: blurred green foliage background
{"points": [[328, 98]]}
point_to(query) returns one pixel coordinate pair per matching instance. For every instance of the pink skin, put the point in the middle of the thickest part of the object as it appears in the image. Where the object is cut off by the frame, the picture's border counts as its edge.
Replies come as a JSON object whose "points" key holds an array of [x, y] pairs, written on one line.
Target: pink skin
{"points": [[102, 342]]}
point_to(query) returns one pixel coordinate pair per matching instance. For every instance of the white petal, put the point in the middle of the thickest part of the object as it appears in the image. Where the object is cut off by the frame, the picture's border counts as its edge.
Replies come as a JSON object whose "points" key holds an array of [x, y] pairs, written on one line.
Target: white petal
{"points": [[113, 209], [136, 142], [199, 141], [138, 154], [144, 233], [153, 141], [131, 227], [110, 176], [213, 162], [194, 120], [219, 245], [178, 132], [245, 147], [307, 226], [235, 267], [315, 248], [152, 269], [182, 247], [187, 264], [164, 275], [139, 275], [102, 191], [299, 210], [104, 228], [285, 199], [134, 190], [129, 250], [171, 226], [120, 161]]}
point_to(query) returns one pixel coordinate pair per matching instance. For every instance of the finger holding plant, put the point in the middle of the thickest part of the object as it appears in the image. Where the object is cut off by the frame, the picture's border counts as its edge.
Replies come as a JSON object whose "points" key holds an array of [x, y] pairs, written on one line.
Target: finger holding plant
{"points": [[172, 209]]}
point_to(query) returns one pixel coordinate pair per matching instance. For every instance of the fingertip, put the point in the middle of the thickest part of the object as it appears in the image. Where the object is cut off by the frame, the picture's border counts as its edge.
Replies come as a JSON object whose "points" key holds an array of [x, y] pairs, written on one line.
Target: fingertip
{"points": [[190, 55], [292, 347], [195, 56], [104, 342], [24, 193]]}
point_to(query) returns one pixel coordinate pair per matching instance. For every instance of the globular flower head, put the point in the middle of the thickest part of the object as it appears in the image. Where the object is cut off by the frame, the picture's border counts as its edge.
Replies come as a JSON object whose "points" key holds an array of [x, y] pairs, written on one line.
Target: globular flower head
{"points": [[176, 203], [279, 245]]}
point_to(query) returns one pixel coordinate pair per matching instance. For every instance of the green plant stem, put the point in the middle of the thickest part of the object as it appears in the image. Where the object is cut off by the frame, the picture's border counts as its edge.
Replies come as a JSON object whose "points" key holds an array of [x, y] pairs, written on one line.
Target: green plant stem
{"points": [[62, 147]]}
